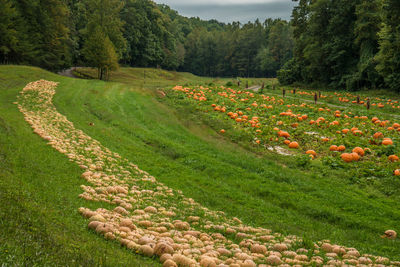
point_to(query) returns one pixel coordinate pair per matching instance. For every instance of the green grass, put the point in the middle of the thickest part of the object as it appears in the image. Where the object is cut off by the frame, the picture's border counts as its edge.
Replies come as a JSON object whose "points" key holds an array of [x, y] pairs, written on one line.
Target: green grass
{"points": [[39, 221], [39, 187]]}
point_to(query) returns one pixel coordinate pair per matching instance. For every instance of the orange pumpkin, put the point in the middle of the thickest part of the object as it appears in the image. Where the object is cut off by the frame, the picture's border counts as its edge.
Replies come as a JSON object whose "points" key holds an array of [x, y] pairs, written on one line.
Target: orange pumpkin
{"points": [[333, 148], [341, 148], [356, 157], [359, 151], [283, 134], [311, 152], [222, 131], [387, 142], [347, 157], [393, 158], [378, 135], [287, 142], [294, 145], [397, 172]]}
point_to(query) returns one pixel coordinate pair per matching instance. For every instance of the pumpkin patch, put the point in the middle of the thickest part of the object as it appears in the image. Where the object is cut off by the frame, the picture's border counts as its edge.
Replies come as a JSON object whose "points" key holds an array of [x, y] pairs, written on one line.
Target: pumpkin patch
{"points": [[154, 220], [270, 120]]}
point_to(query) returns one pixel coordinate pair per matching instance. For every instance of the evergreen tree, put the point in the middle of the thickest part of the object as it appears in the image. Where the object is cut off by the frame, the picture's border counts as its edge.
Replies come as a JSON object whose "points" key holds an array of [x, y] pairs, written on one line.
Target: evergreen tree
{"points": [[105, 14], [389, 52], [8, 33], [367, 27], [55, 40]]}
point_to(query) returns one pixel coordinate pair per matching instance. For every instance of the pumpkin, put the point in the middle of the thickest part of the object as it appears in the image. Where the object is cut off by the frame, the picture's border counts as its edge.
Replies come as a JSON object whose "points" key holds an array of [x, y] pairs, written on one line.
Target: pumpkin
{"points": [[169, 263], [207, 262], [283, 134], [393, 158], [222, 131], [287, 142], [341, 148], [347, 157], [294, 145], [378, 135], [274, 260], [333, 148], [260, 249], [359, 151], [397, 172], [390, 234], [165, 257], [387, 142], [311, 152], [356, 156]]}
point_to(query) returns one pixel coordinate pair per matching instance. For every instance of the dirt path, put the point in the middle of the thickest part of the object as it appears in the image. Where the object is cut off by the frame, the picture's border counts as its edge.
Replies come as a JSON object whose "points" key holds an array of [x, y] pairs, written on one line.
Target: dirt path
{"points": [[67, 73], [152, 219], [254, 88]]}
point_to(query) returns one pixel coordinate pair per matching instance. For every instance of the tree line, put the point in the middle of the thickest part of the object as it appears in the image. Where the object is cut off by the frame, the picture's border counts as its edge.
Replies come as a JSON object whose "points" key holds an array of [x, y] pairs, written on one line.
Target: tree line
{"points": [[57, 34], [345, 44], [340, 44]]}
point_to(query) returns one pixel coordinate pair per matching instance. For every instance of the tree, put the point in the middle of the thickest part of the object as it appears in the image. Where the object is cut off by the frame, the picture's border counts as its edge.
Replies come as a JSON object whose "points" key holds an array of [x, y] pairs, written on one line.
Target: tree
{"points": [[325, 52], [367, 27], [279, 48], [100, 53], [8, 33], [153, 39], [105, 15], [389, 45], [55, 42], [43, 34]]}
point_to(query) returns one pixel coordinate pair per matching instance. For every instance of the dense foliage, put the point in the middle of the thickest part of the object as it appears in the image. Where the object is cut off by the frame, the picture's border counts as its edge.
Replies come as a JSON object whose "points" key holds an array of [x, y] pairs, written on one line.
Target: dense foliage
{"points": [[56, 34], [345, 44], [337, 44]]}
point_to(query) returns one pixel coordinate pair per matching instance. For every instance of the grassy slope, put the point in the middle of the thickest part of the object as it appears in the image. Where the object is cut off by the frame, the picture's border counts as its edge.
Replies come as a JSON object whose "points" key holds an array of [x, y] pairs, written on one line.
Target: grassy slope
{"points": [[39, 187], [39, 222]]}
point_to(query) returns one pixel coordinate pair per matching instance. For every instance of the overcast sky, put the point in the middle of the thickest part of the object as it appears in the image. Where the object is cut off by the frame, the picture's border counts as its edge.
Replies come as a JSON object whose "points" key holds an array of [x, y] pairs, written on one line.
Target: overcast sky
{"points": [[232, 10]]}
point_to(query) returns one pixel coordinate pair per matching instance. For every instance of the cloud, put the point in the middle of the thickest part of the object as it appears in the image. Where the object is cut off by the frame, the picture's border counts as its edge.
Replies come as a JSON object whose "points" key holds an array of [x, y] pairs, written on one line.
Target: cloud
{"points": [[233, 10]]}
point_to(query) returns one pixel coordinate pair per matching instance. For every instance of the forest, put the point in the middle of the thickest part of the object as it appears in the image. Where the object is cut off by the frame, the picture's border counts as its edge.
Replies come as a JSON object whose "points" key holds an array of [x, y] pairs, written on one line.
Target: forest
{"points": [[345, 44], [333, 44]]}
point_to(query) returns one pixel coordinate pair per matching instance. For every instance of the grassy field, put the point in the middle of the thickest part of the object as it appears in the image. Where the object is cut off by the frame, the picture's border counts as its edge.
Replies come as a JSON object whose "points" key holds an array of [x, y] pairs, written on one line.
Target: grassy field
{"points": [[39, 221]]}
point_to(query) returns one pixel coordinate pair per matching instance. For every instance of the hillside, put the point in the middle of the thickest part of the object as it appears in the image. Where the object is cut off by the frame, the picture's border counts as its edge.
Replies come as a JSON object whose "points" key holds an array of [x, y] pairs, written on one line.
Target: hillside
{"points": [[39, 187]]}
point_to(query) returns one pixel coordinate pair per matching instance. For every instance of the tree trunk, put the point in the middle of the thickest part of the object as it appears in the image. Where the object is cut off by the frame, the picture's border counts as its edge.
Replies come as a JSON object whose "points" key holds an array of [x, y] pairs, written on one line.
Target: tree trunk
{"points": [[101, 73]]}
